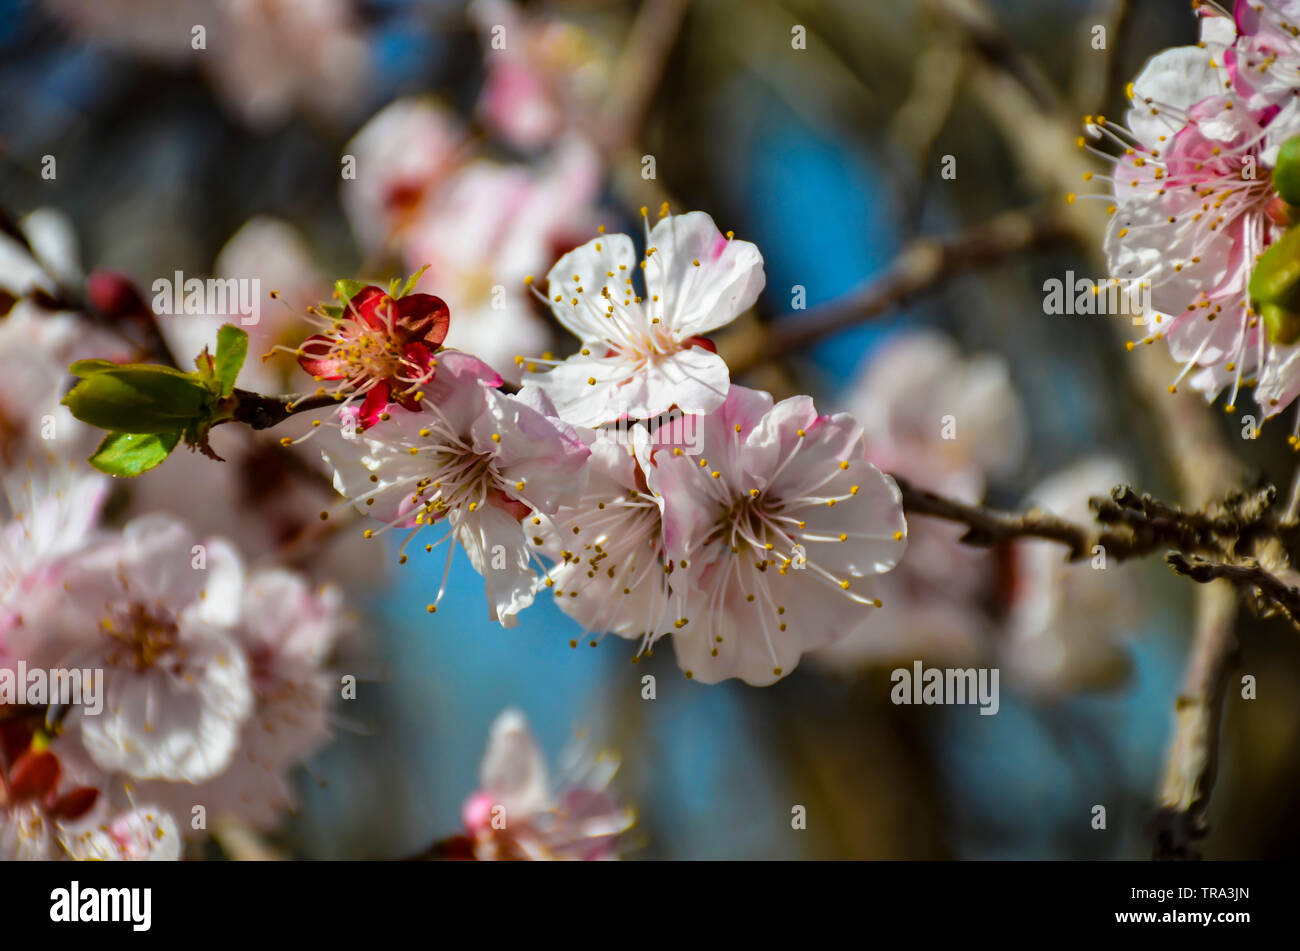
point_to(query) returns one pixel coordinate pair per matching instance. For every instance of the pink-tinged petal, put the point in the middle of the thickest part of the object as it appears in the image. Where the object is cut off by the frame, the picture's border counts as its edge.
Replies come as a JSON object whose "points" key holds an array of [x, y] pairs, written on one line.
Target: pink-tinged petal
{"points": [[542, 453], [458, 388], [376, 402], [485, 534], [702, 279], [315, 358], [513, 772]]}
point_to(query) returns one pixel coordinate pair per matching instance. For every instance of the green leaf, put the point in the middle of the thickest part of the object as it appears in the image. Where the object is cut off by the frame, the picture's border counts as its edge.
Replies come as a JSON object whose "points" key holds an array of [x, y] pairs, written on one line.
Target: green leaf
{"points": [[1276, 278], [232, 348], [88, 367], [412, 281], [129, 454], [139, 398], [348, 289], [1286, 174]]}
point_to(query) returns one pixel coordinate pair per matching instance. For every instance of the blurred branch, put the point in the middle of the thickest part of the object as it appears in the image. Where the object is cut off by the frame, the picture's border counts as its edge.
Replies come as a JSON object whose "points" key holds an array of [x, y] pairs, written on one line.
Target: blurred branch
{"points": [[1100, 79], [1192, 763], [922, 265], [996, 47], [1043, 140], [640, 67]]}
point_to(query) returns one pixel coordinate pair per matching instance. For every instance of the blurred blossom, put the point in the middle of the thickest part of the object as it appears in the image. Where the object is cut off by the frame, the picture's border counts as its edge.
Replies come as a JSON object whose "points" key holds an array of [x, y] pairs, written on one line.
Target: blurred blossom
{"points": [[402, 154], [50, 809], [288, 632], [37, 344], [948, 423], [265, 58], [520, 812], [488, 228], [274, 254], [1068, 622], [543, 74]]}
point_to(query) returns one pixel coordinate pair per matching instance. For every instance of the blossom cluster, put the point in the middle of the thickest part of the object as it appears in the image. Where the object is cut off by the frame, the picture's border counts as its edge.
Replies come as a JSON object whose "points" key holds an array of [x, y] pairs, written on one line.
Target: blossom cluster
{"points": [[633, 481], [1200, 194], [209, 675]]}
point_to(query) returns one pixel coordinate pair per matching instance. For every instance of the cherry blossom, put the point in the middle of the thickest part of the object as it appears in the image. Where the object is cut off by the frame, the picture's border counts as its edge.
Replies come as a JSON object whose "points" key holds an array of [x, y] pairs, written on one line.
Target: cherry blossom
{"points": [[611, 571], [381, 348], [474, 459], [1067, 622], [407, 150], [781, 524], [151, 607], [645, 353], [948, 423], [520, 812]]}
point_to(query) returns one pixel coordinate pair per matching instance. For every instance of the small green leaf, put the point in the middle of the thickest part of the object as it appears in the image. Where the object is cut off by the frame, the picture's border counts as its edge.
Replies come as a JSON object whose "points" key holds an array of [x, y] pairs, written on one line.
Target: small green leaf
{"points": [[1286, 174], [412, 281], [348, 289], [88, 367], [129, 454], [232, 348], [1276, 278], [139, 398]]}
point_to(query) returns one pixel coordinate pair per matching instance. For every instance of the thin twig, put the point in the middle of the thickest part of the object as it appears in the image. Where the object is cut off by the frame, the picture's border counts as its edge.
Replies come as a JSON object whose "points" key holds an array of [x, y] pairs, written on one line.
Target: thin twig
{"points": [[921, 267]]}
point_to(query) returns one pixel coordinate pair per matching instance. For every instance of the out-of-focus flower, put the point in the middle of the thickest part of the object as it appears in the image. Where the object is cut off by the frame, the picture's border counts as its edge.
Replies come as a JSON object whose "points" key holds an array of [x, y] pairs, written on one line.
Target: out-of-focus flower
{"points": [[52, 513], [781, 525], [151, 608], [39, 341], [644, 354], [947, 423], [51, 808], [403, 154], [543, 73], [474, 457], [142, 834], [287, 632], [265, 58], [519, 813], [1067, 623], [488, 228], [275, 255]]}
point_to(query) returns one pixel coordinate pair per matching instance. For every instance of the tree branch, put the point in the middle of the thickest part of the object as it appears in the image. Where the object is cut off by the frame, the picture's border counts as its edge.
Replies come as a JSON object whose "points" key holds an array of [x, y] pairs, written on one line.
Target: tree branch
{"points": [[920, 267]]}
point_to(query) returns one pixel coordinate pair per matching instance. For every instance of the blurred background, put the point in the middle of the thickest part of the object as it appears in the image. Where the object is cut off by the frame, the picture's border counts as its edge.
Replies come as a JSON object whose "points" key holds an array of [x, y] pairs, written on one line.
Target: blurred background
{"points": [[818, 129]]}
